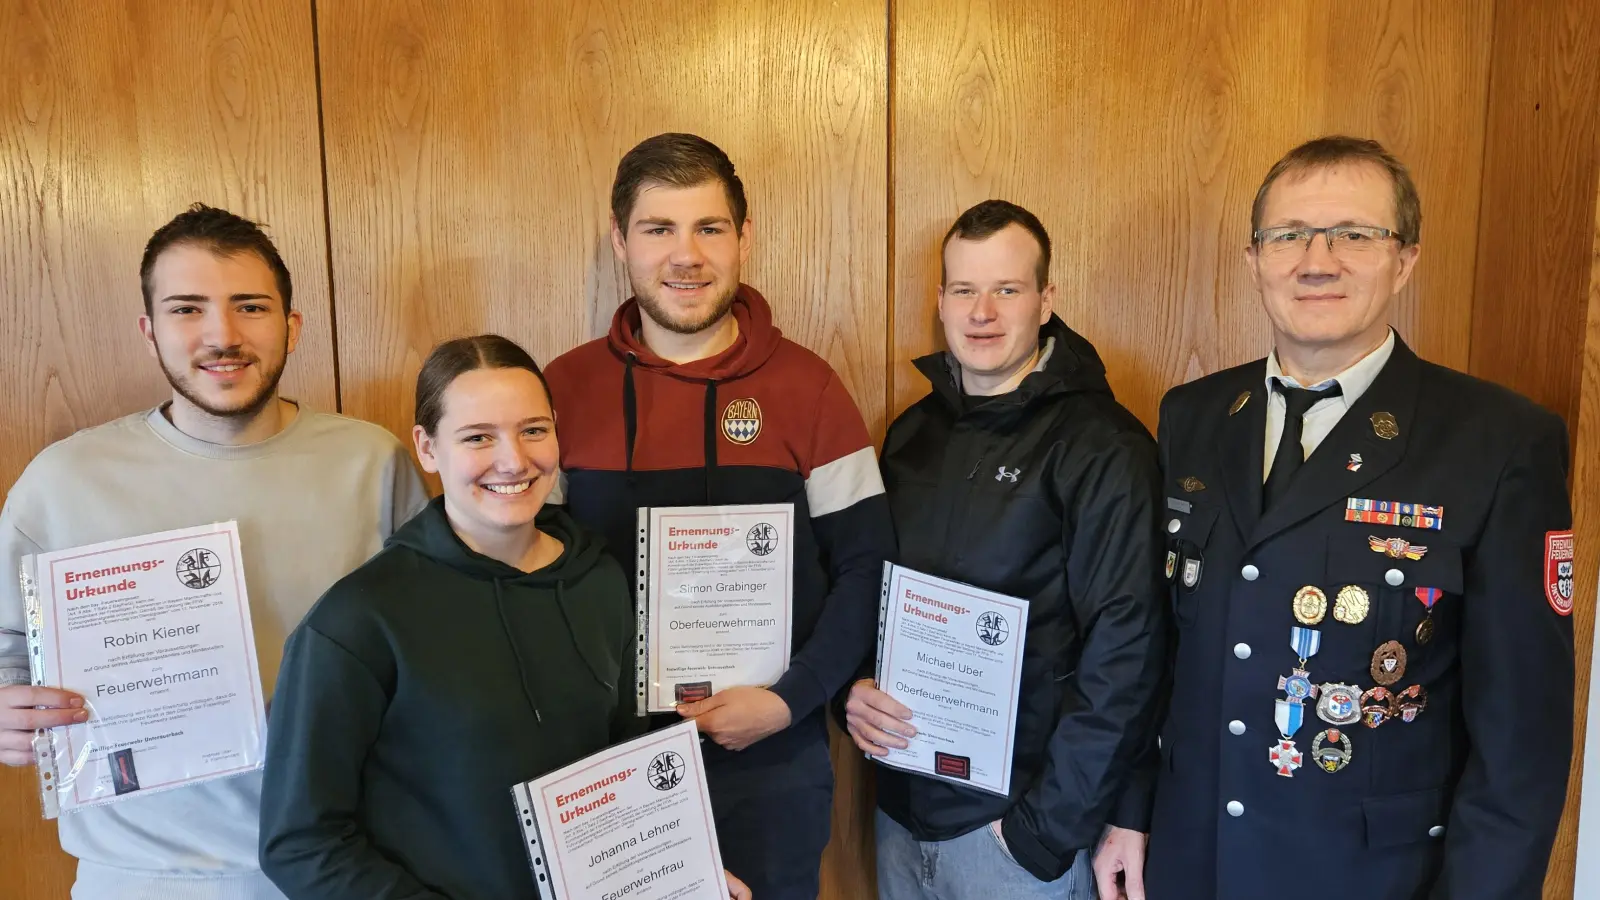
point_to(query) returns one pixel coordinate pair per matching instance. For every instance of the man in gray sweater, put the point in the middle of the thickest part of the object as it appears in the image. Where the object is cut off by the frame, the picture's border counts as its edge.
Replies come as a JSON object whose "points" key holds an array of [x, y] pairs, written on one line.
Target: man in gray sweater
{"points": [[314, 495]]}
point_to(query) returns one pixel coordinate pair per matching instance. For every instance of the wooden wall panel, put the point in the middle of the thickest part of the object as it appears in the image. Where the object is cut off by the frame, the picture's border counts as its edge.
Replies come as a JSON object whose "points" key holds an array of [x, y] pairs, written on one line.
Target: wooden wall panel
{"points": [[1540, 171], [113, 118], [470, 158], [1140, 138]]}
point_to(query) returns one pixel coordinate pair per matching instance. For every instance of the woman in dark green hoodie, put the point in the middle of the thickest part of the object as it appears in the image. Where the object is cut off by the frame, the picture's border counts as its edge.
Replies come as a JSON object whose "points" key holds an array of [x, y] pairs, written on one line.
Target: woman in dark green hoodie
{"points": [[491, 641]]}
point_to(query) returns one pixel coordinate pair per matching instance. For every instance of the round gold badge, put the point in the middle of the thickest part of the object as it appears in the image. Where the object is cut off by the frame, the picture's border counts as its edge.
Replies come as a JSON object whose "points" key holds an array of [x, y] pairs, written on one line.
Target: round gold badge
{"points": [[1310, 605], [1351, 605], [1384, 426]]}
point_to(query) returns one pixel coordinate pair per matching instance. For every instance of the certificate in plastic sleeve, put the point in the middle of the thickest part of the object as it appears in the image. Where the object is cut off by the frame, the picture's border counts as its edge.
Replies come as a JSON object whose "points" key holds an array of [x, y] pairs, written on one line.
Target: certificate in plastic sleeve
{"points": [[632, 822], [154, 632], [952, 653], [715, 600]]}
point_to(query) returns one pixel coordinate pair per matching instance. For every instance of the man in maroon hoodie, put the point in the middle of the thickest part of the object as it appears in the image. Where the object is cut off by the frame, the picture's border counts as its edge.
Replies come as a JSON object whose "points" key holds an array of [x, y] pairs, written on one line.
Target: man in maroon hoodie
{"points": [[696, 399]]}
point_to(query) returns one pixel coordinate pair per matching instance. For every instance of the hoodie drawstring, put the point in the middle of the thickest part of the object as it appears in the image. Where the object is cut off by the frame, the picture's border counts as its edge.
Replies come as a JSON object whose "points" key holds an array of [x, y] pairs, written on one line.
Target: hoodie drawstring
{"points": [[528, 693], [711, 434], [561, 603], [630, 412]]}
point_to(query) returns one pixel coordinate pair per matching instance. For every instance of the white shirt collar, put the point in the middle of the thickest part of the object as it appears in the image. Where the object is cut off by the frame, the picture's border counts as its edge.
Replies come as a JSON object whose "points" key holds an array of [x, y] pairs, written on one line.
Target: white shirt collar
{"points": [[1353, 382]]}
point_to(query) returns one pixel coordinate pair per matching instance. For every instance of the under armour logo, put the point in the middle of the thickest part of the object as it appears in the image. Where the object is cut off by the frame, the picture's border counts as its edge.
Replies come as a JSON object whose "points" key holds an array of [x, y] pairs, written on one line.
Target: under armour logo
{"points": [[1008, 474]]}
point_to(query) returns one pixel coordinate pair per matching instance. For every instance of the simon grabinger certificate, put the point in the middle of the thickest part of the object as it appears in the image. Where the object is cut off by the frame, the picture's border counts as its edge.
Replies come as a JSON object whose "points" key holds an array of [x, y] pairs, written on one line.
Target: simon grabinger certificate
{"points": [[154, 631], [715, 600], [632, 822], [953, 654]]}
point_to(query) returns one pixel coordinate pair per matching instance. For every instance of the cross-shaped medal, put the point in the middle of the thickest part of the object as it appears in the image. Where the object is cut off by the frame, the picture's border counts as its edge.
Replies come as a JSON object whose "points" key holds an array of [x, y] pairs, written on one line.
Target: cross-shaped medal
{"points": [[1285, 758]]}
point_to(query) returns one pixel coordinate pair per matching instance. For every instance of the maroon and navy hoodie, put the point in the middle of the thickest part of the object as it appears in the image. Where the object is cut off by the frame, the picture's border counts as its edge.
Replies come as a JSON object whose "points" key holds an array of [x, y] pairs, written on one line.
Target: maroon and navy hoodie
{"points": [[765, 421]]}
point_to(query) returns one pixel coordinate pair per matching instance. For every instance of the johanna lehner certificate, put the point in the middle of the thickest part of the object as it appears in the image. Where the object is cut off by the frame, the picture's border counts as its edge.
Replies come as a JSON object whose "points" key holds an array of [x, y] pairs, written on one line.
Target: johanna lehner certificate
{"points": [[715, 599], [632, 822], [154, 632], [953, 654]]}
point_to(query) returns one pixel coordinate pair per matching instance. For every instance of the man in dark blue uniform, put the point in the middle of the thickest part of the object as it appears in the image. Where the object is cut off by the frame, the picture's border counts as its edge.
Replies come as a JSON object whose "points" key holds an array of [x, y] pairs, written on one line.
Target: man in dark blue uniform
{"points": [[1371, 559]]}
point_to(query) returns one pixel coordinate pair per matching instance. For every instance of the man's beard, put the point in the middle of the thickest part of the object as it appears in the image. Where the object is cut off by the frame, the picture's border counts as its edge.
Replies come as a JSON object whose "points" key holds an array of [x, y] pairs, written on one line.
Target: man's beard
{"points": [[248, 409], [659, 314]]}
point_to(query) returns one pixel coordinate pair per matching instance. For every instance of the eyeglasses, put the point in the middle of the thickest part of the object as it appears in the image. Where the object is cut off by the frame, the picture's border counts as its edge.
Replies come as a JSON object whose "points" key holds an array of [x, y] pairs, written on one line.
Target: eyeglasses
{"points": [[1344, 241]]}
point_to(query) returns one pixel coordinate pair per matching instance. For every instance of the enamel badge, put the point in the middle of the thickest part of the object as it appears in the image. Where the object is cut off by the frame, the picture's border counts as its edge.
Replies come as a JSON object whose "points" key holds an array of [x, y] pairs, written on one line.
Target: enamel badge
{"points": [[1559, 551], [1388, 663], [1396, 547], [1377, 707], [1340, 704], [1285, 757], [1330, 750]]}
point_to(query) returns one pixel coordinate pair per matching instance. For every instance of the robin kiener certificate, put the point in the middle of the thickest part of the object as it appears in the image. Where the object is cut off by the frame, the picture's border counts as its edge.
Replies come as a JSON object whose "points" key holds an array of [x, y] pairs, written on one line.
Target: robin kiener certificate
{"points": [[715, 600], [154, 632], [632, 821], [953, 654]]}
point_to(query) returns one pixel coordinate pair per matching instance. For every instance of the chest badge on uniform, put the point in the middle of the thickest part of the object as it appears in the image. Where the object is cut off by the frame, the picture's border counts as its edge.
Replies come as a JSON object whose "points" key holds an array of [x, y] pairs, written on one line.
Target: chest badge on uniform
{"points": [[1388, 663], [1191, 484], [1330, 750], [741, 420], [1351, 605], [1355, 462], [1427, 596], [1396, 547], [1384, 426], [1310, 605], [1172, 563], [1340, 704], [1394, 512], [1413, 700], [1285, 757], [1559, 551], [1377, 707], [1239, 402], [1191, 572]]}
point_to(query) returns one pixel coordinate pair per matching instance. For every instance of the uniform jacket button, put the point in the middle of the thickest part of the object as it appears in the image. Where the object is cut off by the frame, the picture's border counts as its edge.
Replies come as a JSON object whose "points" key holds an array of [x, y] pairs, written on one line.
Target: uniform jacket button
{"points": [[1173, 526], [1235, 808], [1394, 577], [1250, 573], [1436, 831], [1236, 726], [1241, 650]]}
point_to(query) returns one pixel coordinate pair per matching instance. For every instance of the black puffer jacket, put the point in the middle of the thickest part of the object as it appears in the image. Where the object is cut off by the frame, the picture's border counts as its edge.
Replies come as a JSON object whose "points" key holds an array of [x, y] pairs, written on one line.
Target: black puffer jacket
{"points": [[1051, 492]]}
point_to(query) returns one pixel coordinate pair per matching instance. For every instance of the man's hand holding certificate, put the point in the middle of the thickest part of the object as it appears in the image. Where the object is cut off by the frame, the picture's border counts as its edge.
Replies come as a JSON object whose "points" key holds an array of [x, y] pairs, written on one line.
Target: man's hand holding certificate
{"points": [[716, 603], [153, 635], [950, 661]]}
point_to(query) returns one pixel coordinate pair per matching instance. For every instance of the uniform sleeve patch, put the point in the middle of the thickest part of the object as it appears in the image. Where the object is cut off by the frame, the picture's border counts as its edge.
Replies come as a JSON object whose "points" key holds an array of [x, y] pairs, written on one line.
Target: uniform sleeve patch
{"points": [[1559, 552]]}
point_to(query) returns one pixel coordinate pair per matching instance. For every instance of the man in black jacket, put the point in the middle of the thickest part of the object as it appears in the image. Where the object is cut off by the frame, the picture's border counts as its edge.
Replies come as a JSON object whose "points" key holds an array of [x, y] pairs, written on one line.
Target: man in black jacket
{"points": [[1020, 473]]}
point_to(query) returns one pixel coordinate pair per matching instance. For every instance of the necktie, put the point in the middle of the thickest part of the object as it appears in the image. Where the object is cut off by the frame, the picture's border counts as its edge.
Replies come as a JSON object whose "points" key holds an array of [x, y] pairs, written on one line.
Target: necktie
{"points": [[1290, 455]]}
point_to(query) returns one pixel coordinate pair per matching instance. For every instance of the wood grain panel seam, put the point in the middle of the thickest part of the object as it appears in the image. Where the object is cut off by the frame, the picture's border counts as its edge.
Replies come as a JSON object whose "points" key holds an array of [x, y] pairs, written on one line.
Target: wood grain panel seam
{"points": [[1483, 181], [889, 348], [327, 209]]}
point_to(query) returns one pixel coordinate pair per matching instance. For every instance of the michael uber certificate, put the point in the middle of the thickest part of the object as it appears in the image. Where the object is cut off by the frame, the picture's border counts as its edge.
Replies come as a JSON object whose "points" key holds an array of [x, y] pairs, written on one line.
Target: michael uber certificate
{"points": [[953, 654], [632, 822], [715, 600], [154, 631]]}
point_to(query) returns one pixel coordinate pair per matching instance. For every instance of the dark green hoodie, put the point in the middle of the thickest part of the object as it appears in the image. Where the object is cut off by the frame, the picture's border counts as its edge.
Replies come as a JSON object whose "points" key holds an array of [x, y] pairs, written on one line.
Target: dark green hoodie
{"points": [[417, 691]]}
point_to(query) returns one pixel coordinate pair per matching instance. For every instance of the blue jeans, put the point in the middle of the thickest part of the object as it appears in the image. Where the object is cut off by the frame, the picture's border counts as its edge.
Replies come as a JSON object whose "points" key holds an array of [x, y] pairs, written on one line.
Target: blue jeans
{"points": [[974, 866]]}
